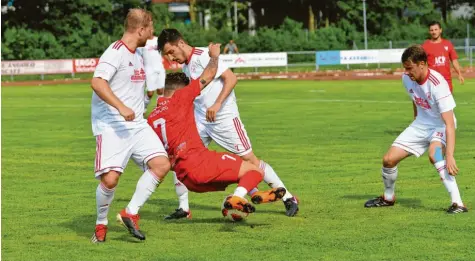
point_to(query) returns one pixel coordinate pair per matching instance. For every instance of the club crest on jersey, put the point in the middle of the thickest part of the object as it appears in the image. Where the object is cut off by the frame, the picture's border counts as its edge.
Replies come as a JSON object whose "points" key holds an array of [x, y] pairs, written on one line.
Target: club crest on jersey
{"points": [[193, 67], [139, 76], [422, 102], [446, 48]]}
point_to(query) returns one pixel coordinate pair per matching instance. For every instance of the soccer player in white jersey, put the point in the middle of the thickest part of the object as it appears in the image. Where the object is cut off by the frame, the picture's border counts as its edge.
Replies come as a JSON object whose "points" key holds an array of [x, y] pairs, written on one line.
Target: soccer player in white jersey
{"points": [[217, 116], [154, 70], [120, 129], [433, 129]]}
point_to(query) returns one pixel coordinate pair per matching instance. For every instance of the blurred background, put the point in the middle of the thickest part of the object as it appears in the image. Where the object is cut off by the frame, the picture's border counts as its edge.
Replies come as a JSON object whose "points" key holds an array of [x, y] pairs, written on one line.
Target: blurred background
{"points": [[65, 29]]}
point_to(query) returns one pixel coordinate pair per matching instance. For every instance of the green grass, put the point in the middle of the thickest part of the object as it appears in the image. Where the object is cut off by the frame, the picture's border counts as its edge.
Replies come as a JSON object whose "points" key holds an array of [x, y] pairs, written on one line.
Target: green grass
{"points": [[325, 139]]}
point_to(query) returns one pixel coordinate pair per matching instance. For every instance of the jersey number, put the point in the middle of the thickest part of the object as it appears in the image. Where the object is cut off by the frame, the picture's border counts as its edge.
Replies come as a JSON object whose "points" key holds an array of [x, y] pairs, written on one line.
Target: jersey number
{"points": [[226, 156], [161, 122]]}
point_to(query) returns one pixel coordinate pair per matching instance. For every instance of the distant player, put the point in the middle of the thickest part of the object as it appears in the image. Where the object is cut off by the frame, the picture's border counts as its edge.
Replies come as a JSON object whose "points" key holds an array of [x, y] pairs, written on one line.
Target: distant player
{"points": [[120, 129], [198, 168], [217, 115], [440, 52], [433, 129], [154, 70]]}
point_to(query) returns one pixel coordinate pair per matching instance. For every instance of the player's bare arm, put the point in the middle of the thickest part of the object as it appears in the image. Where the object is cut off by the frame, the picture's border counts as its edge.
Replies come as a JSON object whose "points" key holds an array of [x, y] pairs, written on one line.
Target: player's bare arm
{"points": [[456, 65], [448, 118], [103, 90], [212, 68], [229, 82]]}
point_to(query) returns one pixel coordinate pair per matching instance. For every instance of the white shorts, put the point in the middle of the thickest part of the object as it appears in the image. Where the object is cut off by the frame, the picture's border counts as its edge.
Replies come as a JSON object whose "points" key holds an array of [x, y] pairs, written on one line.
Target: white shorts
{"points": [[229, 133], [155, 81], [416, 140], [114, 149]]}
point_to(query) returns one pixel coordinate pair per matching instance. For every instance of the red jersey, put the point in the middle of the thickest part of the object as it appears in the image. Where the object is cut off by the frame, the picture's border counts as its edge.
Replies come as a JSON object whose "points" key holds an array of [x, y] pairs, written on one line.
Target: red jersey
{"points": [[173, 120], [439, 56]]}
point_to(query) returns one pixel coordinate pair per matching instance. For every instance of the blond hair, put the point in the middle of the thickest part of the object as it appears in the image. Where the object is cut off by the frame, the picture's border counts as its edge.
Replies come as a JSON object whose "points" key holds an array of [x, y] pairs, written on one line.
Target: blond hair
{"points": [[137, 17]]}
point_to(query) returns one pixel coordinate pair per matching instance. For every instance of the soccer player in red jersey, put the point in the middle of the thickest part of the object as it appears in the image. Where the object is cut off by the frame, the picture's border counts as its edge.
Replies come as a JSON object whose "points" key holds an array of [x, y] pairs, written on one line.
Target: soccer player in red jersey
{"points": [[440, 52], [198, 168]]}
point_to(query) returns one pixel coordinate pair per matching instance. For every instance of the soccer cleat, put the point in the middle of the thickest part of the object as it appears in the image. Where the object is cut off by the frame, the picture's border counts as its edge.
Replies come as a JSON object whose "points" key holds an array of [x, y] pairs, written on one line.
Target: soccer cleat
{"points": [[99, 235], [291, 206], [378, 202], [455, 209], [179, 213], [238, 203], [268, 196], [131, 222]]}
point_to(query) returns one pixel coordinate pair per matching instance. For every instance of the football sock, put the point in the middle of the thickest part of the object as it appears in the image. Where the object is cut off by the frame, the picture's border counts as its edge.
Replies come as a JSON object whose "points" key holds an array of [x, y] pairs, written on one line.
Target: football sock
{"points": [[247, 182], [182, 193], [449, 182], [146, 101], [104, 197], [271, 178], [145, 187], [389, 179]]}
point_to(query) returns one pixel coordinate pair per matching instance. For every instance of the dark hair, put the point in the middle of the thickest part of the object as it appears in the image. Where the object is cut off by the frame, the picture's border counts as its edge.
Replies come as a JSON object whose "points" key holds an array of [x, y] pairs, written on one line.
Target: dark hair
{"points": [[175, 81], [415, 53], [168, 36], [435, 23]]}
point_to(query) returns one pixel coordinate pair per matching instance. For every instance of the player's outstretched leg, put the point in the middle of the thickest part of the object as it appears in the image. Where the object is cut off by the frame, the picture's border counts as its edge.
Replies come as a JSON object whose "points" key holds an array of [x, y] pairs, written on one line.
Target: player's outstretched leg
{"points": [[389, 173], [150, 180], [436, 157], [104, 196], [183, 210], [273, 180]]}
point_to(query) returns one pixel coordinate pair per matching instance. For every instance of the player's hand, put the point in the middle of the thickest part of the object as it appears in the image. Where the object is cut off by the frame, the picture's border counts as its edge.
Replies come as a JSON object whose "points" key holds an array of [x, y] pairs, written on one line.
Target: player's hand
{"points": [[211, 112], [461, 79], [127, 113], [451, 166], [214, 49]]}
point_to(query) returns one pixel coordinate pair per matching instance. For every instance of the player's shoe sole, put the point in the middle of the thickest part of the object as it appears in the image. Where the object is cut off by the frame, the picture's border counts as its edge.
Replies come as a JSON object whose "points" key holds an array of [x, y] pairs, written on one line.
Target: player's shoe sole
{"points": [[130, 226], [240, 204], [267, 196]]}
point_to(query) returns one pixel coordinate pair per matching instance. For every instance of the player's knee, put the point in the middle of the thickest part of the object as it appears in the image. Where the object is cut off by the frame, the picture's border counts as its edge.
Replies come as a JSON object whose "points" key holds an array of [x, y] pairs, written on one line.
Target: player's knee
{"points": [[388, 161], [159, 166], [110, 179], [251, 158]]}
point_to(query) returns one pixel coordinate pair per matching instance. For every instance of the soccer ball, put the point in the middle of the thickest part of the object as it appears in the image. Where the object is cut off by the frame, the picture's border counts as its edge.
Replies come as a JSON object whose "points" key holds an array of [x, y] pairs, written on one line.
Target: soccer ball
{"points": [[232, 214]]}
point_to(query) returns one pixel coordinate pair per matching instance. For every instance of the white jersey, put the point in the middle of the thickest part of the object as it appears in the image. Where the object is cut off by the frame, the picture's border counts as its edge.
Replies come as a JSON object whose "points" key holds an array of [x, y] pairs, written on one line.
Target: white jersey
{"points": [[123, 69], [193, 69], [153, 64], [432, 98]]}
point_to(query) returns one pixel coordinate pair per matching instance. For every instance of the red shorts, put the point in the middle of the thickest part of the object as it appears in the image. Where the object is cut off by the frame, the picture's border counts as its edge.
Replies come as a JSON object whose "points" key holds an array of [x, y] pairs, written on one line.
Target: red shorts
{"points": [[208, 171]]}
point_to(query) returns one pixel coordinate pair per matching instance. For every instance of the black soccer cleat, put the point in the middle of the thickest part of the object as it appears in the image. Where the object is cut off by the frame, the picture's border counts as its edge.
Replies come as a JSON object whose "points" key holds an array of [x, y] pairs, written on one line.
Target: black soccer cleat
{"points": [[131, 222], [179, 214], [455, 209], [378, 202], [291, 206]]}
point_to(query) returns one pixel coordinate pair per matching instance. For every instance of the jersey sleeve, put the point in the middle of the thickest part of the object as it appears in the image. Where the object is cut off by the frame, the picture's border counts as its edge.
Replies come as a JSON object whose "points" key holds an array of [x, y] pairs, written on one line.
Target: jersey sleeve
{"points": [[188, 94], [108, 64], [443, 97], [204, 60], [452, 52]]}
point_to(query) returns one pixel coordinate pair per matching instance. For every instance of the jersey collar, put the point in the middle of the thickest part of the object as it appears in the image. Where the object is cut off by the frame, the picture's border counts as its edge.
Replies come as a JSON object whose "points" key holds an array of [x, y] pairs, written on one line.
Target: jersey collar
{"points": [[425, 79]]}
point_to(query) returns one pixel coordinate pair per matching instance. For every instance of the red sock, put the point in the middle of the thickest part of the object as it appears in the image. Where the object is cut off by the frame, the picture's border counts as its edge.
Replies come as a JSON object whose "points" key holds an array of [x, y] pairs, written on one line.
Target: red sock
{"points": [[250, 180]]}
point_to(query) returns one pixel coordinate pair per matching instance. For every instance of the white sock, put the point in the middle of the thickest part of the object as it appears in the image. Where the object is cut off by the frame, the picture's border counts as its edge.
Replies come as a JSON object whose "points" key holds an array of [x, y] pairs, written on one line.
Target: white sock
{"points": [[181, 193], [254, 190], [240, 192], [449, 182], [145, 187], [389, 180], [271, 178], [146, 101], [104, 197]]}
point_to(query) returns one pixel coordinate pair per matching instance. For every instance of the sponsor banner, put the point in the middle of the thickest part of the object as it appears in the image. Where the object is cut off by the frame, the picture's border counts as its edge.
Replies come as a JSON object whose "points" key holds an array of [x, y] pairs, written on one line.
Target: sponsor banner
{"points": [[254, 59], [359, 56], [328, 57], [390, 55], [37, 67], [85, 65]]}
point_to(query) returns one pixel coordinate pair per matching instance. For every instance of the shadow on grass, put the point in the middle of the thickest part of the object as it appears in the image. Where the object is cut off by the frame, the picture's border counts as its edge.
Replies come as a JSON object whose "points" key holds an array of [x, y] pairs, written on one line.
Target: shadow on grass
{"points": [[405, 202]]}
